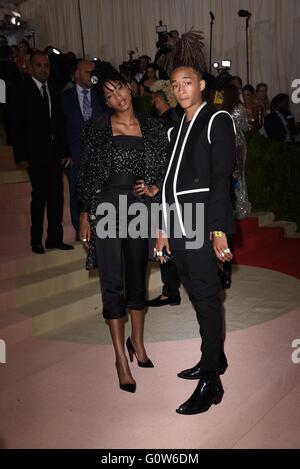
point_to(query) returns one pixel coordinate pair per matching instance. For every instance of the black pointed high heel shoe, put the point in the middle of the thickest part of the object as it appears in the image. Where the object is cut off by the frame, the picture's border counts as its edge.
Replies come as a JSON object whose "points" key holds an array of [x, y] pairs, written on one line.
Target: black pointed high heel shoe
{"points": [[128, 387], [131, 351]]}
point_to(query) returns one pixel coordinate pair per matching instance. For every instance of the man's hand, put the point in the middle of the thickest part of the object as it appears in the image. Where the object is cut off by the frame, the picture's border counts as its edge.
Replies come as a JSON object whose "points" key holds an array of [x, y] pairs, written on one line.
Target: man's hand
{"points": [[23, 165], [85, 229], [142, 189], [161, 243], [221, 248]]}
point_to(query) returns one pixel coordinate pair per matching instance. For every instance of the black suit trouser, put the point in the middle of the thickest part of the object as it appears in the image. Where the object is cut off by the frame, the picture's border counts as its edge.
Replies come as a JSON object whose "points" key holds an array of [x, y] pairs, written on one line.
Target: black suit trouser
{"points": [[47, 191], [170, 279], [198, 273]]}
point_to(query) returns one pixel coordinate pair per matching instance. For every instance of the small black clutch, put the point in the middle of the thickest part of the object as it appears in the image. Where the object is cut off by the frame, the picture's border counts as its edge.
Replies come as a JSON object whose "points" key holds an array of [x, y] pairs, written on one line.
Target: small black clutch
{"points": [[168, 257]]}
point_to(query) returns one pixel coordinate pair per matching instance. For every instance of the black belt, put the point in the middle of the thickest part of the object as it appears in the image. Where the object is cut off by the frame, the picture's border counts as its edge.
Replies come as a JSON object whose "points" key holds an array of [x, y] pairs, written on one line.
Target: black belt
{"points": [[124, 181]]}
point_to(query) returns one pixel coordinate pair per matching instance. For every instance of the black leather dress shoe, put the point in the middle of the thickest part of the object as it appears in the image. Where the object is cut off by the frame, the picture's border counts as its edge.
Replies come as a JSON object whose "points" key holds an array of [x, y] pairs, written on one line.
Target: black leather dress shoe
{"points": [[62, 246], [195, 372], [209, 391], [38, 248], [173, 301]]}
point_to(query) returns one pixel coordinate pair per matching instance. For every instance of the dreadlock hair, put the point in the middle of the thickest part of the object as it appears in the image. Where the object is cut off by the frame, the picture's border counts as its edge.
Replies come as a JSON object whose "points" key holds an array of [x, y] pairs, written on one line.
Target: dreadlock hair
{"points": [[189, 52]]}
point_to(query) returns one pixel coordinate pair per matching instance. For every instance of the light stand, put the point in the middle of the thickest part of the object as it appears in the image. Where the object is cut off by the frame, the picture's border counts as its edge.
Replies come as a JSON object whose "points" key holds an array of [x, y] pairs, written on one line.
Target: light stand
{"points": [[212, 17], [81, 29], [246, 14], [33, 38]]}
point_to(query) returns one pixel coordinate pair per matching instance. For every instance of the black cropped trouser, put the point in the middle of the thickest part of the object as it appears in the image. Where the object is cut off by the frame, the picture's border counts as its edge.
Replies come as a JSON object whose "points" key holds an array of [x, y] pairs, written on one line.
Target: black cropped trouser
{"points": [[122, 263]]}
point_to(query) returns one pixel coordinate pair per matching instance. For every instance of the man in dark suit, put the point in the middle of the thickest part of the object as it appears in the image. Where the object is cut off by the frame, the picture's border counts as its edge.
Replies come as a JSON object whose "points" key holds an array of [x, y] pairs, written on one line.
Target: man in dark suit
{"points": [[197, 186], [280, 123], [80, 103], [40, 145]]}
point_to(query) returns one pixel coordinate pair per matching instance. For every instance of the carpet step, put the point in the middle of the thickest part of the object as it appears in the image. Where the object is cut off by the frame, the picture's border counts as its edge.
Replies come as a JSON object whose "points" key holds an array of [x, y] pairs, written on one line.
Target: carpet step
{"points": [[15, 197], [43, 284], [290, 228], [9, 192], [6, 158], [20, 241], [13, 176], [28, 262], [15, 222], [264, 218], [64, 306], [264, 237]]}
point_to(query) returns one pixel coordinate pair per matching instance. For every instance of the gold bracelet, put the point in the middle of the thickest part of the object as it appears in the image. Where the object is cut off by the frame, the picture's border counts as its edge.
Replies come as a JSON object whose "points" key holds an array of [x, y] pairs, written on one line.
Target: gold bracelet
{"points": [[218, 234]]}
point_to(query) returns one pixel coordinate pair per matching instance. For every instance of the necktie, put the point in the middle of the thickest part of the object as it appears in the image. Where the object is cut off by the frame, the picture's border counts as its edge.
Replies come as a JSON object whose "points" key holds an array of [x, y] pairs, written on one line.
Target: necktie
{"points": [[46, 99], [86, 107]]}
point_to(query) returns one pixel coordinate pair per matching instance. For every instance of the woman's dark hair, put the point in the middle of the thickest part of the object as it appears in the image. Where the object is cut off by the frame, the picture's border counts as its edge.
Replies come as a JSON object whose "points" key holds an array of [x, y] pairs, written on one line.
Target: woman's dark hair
{"points": [[24, 41], [106, 73], [249, 88], [231, 98], [237, 78]]}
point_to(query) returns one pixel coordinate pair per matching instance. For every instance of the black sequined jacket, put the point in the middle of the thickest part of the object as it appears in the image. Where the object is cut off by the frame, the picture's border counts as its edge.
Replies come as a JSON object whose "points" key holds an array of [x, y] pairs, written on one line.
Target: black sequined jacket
{"points": [[96, 162]]}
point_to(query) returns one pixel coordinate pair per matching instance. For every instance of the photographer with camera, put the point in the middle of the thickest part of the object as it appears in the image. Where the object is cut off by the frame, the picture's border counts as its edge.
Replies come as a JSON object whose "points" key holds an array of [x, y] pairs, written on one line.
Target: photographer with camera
{"points": [[166, 46]]}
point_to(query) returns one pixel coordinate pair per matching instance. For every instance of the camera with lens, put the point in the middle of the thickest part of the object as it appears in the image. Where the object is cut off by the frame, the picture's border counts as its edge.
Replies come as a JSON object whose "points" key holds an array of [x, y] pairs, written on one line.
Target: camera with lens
{"points": [[129, 68]]}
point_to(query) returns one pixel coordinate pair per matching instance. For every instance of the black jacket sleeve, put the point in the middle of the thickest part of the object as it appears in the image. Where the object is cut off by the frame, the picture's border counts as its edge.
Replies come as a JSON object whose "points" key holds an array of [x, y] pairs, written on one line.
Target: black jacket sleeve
{"points": [[222, 165], [17, 122]]}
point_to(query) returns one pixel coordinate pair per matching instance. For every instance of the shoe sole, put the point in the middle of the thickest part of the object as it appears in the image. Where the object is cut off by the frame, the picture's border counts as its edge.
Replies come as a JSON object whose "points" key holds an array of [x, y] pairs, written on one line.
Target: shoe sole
{"points": [[217, 400]]}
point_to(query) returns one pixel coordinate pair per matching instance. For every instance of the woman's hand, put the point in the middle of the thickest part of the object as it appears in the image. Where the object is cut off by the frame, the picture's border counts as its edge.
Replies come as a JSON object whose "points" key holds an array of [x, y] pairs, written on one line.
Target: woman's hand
{"points": [[142, 189], [221, 248], [85, 229], [162, 243]]}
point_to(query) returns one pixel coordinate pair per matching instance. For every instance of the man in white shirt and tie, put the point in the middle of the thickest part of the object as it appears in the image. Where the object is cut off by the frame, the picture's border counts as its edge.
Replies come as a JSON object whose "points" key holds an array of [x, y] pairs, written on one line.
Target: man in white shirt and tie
{"points": [[80, 103]]}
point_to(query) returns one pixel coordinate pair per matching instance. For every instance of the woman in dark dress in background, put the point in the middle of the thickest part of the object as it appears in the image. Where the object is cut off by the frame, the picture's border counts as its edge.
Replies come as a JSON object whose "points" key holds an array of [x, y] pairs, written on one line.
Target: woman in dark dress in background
{"points": [[122, 155], [148, 80]]}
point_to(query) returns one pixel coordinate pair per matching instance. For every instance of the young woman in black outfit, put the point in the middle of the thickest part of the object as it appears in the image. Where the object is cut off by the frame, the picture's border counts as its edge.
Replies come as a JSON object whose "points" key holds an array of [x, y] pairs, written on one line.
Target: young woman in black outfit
{"points": [[122, 155]]}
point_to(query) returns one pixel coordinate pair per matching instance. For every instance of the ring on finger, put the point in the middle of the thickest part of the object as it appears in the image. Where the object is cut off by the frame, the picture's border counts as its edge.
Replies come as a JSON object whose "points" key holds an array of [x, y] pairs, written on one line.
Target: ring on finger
{"points": [[159, 253], [227, 251]]}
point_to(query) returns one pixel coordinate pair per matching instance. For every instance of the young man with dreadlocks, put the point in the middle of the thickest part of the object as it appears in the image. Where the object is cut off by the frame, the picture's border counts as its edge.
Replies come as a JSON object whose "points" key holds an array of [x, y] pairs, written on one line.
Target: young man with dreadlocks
{"points": [[201, 162]]}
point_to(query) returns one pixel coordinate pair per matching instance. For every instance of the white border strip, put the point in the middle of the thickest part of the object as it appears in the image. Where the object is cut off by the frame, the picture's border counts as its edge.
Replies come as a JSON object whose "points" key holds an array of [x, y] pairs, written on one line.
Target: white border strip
{"points": [[178, 166], [211, 122], [205, 189]]}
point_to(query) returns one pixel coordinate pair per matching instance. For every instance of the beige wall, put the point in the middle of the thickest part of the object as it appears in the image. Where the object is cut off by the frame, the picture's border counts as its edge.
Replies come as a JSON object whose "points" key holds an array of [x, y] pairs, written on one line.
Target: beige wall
{"points": [[112, 27]]}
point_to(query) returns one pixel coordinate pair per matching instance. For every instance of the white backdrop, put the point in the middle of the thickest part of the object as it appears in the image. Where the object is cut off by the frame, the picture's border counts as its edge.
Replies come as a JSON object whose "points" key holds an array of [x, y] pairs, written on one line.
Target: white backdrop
{"points": [[113, 27]]}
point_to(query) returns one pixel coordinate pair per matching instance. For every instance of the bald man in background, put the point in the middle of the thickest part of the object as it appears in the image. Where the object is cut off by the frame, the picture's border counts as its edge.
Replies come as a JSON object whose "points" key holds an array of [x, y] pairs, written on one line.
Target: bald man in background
{"points": [[80, 103]]}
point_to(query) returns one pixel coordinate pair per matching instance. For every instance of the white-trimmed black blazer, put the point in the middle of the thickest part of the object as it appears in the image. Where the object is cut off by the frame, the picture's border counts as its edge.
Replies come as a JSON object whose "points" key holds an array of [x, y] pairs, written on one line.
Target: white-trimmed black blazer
{"points": [[203, 168]]}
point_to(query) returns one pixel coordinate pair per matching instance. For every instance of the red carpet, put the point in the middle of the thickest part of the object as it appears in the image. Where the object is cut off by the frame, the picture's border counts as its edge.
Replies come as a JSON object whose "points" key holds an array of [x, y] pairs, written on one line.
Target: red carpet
{"points": [[266, 247]]}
